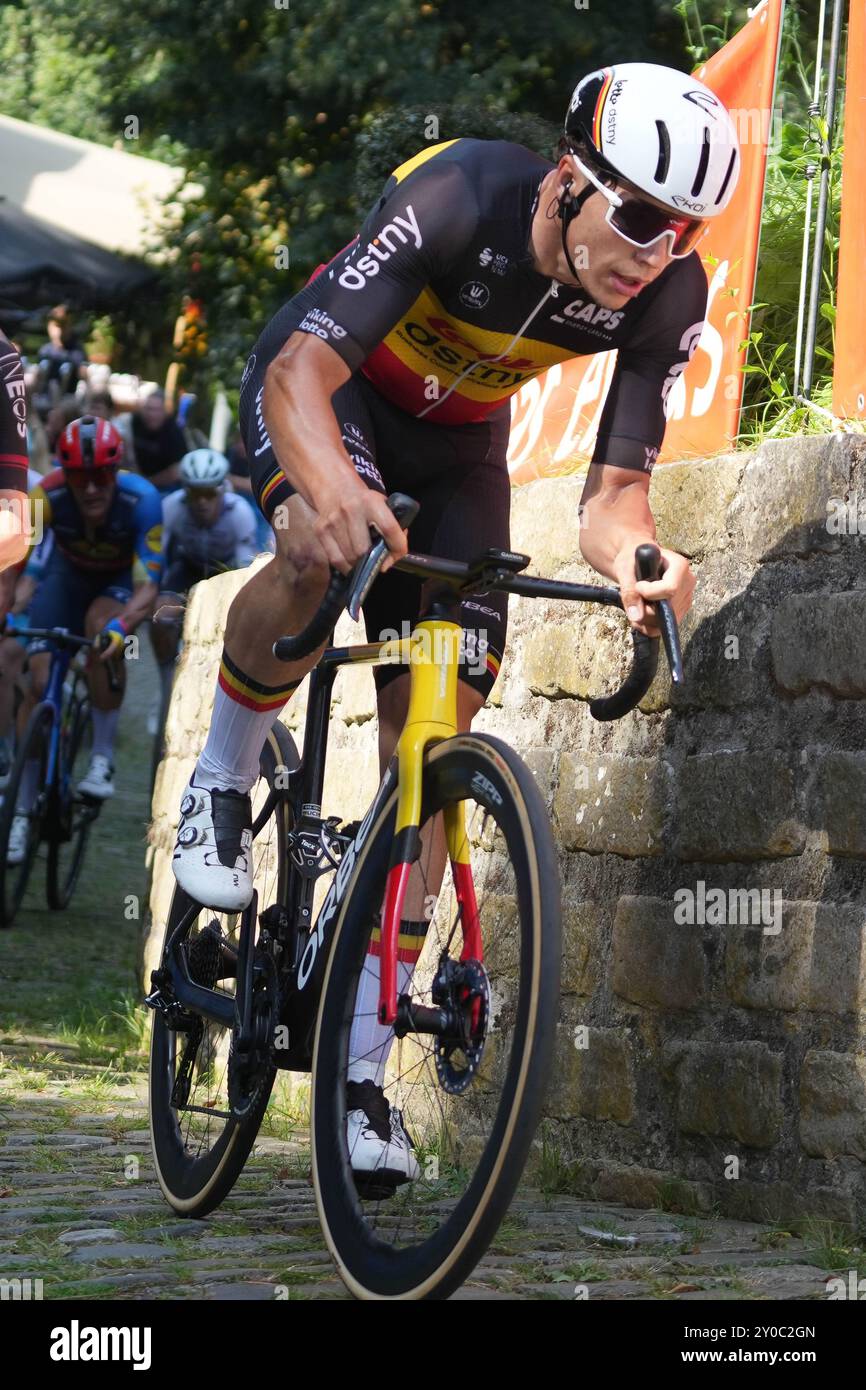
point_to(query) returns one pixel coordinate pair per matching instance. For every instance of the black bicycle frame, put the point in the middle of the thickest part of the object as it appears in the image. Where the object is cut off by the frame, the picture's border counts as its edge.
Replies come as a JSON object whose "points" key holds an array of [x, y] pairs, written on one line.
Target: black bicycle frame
{"points": [[308, 943]]}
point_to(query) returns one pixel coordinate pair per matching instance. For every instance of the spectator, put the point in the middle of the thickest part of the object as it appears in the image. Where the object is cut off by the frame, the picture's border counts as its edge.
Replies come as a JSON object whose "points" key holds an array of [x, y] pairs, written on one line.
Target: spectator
{"points": [[100, 404], [63, 357], [157, 442], [67, 409]]}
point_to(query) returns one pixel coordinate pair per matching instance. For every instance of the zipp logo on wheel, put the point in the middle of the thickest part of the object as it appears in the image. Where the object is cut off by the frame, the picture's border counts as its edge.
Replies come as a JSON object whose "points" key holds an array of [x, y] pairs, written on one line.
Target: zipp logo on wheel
{"points": [[485, 787]]}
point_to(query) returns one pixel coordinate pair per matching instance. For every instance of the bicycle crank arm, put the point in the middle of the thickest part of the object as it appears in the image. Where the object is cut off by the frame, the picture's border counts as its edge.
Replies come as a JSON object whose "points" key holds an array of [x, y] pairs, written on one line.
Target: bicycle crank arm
{"points": [[183, 993]]}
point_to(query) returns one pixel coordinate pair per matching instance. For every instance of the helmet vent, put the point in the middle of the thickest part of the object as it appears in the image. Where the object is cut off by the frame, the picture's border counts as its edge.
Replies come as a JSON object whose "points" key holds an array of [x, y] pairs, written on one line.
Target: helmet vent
{"points": [[726, 179], [664, 152], [703, 164]]}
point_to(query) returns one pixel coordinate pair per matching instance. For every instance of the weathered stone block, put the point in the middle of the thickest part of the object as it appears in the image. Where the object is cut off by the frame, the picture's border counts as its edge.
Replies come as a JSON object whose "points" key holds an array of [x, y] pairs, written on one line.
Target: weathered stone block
{"points": [[816, 961], [820, 640], [690, 502], [841, 792], [655, 961], [737, 806], [730, 1090], [833, 1104], [545, 523], [611, 805], [581, 948], [771, 971], [597, 1080], [356, 690], [781, 507], [576, 655]]}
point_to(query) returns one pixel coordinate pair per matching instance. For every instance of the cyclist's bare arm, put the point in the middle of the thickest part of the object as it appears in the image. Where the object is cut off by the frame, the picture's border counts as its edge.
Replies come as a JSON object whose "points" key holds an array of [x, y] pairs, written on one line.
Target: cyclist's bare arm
{"points": [[303, 430], [615, 520], [141, 604]]}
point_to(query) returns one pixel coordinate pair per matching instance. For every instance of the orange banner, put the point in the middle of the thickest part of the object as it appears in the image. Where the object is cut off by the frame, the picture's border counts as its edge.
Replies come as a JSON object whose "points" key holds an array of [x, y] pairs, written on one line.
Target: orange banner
{"points": [[555, 417], [849, 368]]}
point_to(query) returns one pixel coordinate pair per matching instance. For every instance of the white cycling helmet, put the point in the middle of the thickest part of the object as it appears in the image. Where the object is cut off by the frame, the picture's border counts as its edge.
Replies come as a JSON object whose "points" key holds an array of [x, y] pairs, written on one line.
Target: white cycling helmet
{"points": [[203, 468], [662, 130]]}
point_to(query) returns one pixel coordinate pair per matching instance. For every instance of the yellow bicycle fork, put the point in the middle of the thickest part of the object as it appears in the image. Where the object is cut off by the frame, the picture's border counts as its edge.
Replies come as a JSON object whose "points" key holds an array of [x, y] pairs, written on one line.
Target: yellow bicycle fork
{"points": [[432, 654]]}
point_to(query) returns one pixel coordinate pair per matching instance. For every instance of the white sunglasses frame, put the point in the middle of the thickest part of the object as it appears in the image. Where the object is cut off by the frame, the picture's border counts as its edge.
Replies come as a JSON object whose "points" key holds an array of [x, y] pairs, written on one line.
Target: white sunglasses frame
{"points": [[616, 202]]}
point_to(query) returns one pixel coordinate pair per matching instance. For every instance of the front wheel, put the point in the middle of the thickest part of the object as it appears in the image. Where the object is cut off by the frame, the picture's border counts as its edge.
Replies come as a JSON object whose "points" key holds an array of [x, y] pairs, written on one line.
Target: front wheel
{"points": [[71, 814], [469, 1099]]}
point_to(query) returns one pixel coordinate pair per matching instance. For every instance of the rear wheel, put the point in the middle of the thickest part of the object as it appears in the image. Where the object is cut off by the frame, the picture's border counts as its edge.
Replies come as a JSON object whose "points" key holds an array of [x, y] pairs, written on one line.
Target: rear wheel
{"points": [[206, 1103], [25, 791], [470, 1097], [70, 815]]}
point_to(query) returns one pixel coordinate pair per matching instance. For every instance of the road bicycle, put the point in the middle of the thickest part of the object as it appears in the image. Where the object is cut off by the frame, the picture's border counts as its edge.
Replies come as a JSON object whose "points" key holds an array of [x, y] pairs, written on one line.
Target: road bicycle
{"points": [[55, 748], [472, 1030]]}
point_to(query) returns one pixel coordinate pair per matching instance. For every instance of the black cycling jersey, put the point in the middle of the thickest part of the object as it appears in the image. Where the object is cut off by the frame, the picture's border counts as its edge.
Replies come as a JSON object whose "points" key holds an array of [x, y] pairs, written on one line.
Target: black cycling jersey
{"points": [[437, 302], [13, 419]]}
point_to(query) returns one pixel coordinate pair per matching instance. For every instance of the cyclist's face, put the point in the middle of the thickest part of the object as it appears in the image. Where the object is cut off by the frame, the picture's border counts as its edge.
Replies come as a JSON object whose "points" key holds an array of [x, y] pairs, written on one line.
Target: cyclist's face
{"points": [[204, 504], [611, 270], [93, 492]]}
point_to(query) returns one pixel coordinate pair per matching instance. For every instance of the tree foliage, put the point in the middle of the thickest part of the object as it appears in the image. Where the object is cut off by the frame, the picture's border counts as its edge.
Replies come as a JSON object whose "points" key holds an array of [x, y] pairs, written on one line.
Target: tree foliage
{"points": [[291, 114]]}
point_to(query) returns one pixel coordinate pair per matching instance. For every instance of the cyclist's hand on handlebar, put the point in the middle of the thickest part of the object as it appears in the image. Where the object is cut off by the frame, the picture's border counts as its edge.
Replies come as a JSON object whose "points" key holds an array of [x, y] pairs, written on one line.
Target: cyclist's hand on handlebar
{"points": [[109, 642], [343, 524], [639, 596]]}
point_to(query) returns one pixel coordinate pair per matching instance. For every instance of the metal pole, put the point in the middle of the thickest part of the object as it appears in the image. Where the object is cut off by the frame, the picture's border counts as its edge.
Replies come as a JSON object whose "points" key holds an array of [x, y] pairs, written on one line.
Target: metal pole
{"points": [[809, 175], [823, 193]]}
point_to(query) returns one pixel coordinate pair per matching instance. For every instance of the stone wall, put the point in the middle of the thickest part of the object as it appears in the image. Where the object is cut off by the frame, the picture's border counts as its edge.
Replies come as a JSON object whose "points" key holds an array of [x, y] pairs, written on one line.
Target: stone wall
{"points": [[712, 1056]]}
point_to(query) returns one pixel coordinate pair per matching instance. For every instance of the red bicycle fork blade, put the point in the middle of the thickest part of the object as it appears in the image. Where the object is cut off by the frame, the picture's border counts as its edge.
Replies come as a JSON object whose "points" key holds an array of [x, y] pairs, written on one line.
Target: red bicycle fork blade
{"points": [[392, 915]]}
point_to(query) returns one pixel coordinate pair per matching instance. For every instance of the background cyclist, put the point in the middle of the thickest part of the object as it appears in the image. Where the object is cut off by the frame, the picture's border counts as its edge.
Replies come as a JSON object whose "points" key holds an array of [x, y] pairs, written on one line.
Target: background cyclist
{"points": [[101, 577], [206, 530]]}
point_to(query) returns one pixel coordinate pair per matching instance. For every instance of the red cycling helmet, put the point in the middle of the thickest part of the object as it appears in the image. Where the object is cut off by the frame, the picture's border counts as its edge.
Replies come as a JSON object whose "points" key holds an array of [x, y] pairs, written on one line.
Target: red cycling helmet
{"points": [[90, 443]]}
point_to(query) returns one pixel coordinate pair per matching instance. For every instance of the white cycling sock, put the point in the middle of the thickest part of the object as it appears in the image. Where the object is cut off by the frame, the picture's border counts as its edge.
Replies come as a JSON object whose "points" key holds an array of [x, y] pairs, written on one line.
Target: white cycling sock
{"points": [[243, 713], [105, 731], [369, 1040]]}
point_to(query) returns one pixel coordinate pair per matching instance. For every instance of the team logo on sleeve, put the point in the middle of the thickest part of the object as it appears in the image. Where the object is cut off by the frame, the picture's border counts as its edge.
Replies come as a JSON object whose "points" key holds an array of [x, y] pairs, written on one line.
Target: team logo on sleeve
{"points": [[153, 538]]}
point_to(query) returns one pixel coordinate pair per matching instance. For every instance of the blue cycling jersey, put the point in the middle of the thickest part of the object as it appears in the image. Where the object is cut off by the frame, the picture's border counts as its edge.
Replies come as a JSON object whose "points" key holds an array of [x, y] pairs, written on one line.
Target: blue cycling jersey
{"points": [[129, 536]]}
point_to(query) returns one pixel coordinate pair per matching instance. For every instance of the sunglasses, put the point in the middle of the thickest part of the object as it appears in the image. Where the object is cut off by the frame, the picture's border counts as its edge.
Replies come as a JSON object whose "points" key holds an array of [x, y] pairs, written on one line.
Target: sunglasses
{"points": [[642, 224], [209, 493], [79, 478]]}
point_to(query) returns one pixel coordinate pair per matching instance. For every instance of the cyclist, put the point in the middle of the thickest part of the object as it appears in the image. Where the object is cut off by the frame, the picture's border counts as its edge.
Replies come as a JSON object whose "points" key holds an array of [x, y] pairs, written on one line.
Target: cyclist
{"points": [[479, 267], [12, 648], [13, 456], [206, 530], [101, 578]]}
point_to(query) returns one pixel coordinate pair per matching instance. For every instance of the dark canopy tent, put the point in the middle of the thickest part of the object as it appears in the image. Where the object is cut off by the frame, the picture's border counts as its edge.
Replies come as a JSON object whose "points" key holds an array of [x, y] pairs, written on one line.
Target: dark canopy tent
{"points": [[40, 265]]}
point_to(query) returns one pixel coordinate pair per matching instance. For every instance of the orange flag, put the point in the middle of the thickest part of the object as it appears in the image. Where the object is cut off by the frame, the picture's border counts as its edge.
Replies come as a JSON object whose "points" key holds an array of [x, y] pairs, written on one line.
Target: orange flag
{"points": [[849, 368]]}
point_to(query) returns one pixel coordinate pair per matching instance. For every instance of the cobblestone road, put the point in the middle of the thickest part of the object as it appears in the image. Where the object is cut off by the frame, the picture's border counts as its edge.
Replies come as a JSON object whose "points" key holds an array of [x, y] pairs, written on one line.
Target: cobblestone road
{"points": [[81, 1210]]}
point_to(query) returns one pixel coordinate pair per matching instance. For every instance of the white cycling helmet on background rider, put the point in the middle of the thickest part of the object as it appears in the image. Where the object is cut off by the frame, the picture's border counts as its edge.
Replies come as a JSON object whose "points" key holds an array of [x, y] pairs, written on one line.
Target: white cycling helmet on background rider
{"points": [[668, 135], [204, 468]]}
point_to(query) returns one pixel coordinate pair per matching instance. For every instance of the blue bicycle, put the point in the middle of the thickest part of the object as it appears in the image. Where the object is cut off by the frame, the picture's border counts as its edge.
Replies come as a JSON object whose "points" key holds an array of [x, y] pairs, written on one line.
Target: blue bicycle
{"points": [[49, 762]]}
